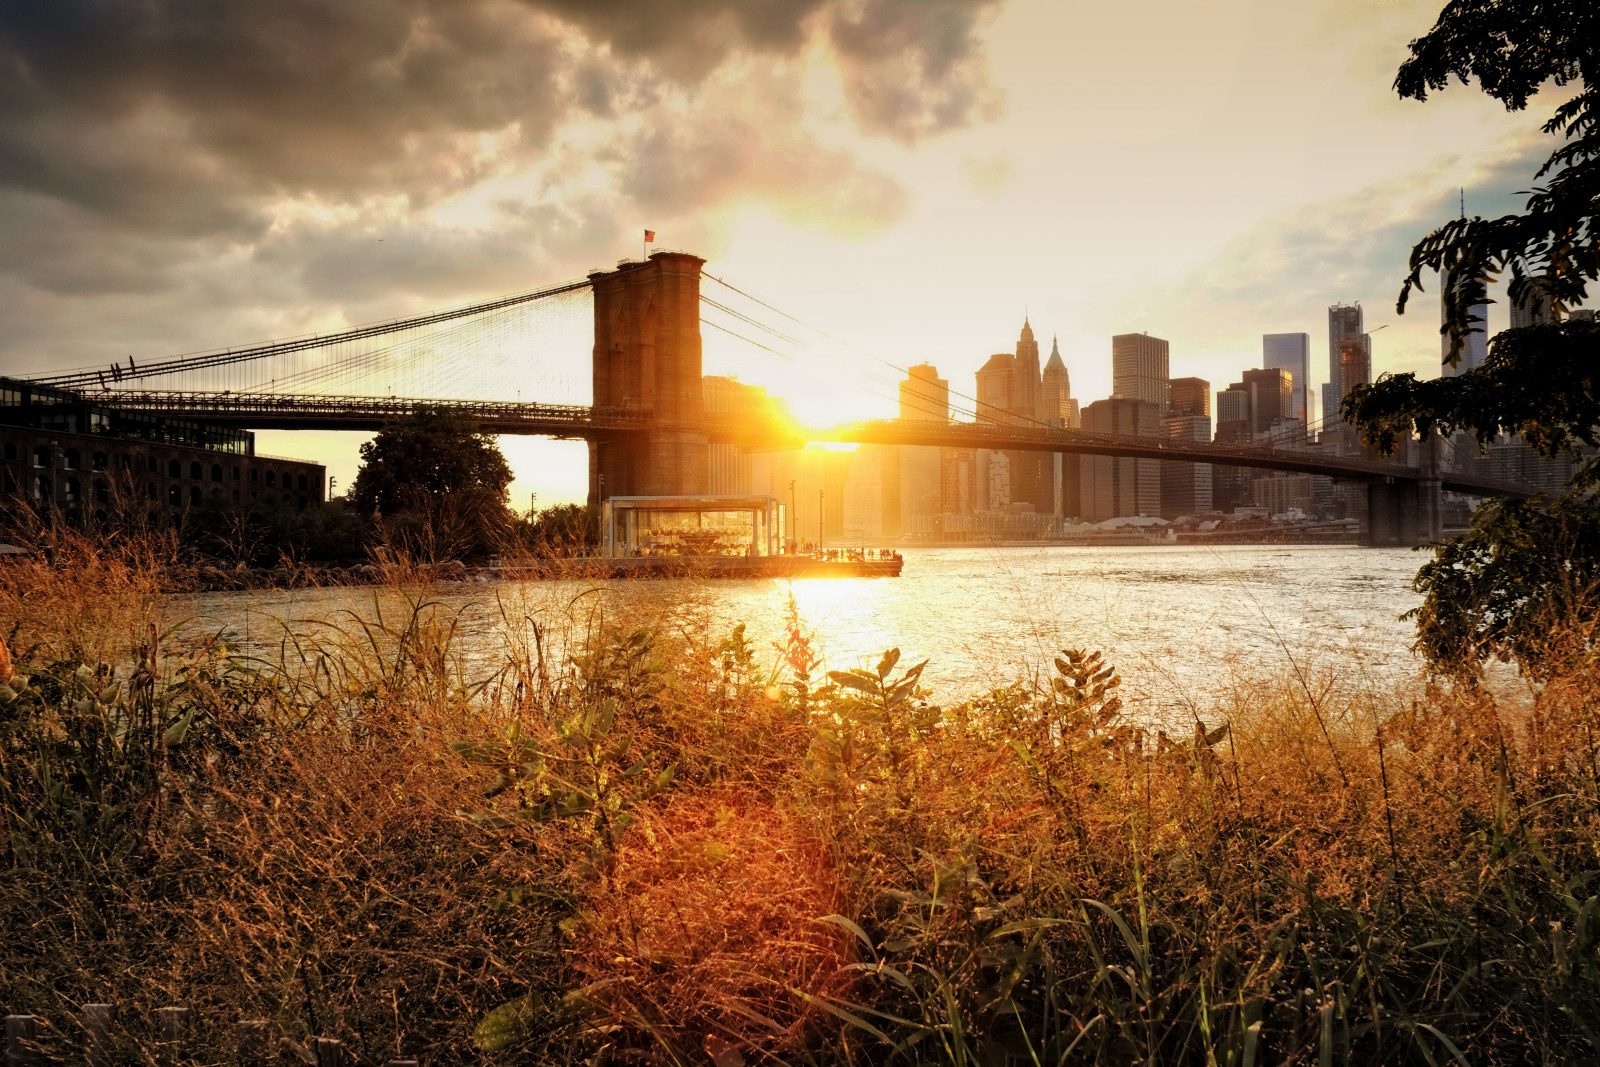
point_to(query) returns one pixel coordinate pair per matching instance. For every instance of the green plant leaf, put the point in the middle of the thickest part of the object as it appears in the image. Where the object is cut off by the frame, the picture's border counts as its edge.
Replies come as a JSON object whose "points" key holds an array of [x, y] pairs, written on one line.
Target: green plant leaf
{"points": [[505, 1026]]}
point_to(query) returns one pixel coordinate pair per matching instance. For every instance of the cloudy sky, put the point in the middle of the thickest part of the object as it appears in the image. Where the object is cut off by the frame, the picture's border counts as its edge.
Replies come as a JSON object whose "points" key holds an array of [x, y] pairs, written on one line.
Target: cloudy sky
{"points": [[906, 177]]}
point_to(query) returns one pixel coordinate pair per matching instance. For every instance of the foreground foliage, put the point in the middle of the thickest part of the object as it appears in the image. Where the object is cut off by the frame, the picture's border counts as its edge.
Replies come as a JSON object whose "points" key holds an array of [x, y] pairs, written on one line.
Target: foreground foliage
{"points": [[635, 835]]}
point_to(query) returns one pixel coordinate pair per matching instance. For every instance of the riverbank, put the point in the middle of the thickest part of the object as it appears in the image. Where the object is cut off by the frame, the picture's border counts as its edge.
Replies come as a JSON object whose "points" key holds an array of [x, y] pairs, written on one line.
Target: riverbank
{"points": [[675, 843]]}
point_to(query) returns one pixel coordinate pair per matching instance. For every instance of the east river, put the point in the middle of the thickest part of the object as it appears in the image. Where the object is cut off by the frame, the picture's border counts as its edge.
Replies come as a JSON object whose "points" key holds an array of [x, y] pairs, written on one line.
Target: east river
{"points": [[1181, 623]]}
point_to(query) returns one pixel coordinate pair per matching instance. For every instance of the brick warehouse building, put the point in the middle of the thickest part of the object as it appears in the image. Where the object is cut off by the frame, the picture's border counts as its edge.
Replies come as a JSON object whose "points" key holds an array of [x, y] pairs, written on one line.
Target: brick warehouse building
{"points": [[60, 449]]}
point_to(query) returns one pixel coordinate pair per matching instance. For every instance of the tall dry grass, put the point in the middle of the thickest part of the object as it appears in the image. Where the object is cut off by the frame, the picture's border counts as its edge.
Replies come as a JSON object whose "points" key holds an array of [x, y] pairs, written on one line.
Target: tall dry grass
{"points": [[633, 838]]}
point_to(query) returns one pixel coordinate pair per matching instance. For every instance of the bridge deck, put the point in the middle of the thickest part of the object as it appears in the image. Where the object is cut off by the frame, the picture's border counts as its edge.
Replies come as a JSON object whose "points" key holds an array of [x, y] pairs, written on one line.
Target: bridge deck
{"points": [[263, 411]]}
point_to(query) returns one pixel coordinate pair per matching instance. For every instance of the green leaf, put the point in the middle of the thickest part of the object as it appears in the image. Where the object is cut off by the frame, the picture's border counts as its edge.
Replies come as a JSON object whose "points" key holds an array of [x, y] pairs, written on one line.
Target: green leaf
{"points": [[179, 729], [506, 1025]]}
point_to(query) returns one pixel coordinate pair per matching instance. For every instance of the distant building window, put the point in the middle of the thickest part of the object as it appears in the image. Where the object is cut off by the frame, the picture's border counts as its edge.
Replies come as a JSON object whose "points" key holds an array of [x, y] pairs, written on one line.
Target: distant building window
{"points": [[272, 478], [125, 461], [302, 502], [216, 472], [236, 496], [41, 456], [150, 491], [288, 479], [71, 491], [151, 465], [194, 494], [99, 461], [69, 459], [174, 469], [254, 474], [174, 495], [302, 482], [236, 478], [194, 471], [102, 493], [11, 450], [42, 489]]}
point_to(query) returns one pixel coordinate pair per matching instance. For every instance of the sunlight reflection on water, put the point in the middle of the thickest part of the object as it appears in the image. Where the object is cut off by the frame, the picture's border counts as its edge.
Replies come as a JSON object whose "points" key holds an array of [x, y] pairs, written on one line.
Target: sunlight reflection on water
{"points": [[1179, 622]]}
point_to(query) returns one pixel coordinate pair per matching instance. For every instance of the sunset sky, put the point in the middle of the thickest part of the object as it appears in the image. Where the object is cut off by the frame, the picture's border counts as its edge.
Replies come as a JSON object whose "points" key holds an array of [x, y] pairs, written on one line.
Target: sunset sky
{"points": [[909, 177]]}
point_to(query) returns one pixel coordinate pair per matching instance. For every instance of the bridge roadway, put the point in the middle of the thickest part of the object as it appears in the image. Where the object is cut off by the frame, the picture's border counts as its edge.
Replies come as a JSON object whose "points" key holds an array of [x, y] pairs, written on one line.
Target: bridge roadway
{"points": [[265, 411]]}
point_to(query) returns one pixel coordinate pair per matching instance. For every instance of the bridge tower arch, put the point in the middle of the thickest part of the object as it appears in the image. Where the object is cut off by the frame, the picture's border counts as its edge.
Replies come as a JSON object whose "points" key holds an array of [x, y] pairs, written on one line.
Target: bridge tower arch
{"points": [[647, 358]]}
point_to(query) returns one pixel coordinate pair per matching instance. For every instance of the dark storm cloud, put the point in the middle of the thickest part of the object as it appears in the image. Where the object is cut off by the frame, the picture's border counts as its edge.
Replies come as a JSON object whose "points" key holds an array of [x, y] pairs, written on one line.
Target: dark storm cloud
{"points": [[173, 114], [239, 157]]}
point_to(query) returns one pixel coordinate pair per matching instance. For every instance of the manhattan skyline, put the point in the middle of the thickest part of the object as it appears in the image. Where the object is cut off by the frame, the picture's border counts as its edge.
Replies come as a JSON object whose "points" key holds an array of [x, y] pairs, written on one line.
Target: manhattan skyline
{"points": [[912, 179]]}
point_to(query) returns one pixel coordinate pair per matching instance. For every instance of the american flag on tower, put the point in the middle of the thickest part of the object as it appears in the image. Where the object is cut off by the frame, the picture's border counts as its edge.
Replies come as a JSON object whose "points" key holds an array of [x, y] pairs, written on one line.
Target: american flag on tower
{"points": [[649, 236]]}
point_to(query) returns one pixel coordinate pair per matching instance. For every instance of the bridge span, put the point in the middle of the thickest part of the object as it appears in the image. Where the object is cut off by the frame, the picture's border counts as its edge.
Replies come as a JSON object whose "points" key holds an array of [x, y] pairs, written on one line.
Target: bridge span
{"points": [[271, 411], [648, 429]]}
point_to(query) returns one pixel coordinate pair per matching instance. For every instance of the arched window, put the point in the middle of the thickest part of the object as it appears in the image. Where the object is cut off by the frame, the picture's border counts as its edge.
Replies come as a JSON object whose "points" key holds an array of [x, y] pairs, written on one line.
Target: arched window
{"points": [[194, 471], [272, 477], [125, 461], [99, 461], [194, 494], [41, 456], [72, 492], [236, 496], [42, 489], [216, 472], [174, 494], [235, 473], [302, 482], [151, 465], [69, 459], [11, 483], [102, 492], [150, 491], [174, 469], [302, 503]]}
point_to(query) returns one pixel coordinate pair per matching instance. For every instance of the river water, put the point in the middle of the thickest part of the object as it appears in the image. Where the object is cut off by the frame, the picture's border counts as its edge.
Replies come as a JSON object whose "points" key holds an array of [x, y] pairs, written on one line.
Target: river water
{"points": [[1180, 622]]}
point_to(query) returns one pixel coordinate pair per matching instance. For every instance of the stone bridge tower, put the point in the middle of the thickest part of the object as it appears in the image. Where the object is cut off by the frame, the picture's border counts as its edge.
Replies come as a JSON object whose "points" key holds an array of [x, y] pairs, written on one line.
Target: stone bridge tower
{"points": [[647, 358]]}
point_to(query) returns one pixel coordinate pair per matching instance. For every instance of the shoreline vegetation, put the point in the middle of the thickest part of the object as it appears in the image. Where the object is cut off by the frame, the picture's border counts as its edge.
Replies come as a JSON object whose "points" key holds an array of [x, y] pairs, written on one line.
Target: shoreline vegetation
{"points": [[668, 845]]}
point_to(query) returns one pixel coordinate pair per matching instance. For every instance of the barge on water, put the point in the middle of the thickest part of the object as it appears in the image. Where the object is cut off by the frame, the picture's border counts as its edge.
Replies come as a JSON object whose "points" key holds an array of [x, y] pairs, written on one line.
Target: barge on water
{"points": [[878, 565], [711, 537]]}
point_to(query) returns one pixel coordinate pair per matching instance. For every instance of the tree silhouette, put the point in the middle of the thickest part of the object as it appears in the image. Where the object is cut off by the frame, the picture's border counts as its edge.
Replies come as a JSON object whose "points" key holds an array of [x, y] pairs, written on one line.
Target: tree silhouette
{"points": [[441, 480], [1524, 583]]}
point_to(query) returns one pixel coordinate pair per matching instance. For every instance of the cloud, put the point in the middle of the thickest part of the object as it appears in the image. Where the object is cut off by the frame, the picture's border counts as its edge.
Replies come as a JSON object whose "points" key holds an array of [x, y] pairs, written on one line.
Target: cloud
{"points": [[1282, 275], [142, 143]]}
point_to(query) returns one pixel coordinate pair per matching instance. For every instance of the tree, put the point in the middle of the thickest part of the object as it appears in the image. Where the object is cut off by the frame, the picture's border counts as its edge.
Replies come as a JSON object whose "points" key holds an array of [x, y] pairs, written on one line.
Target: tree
{"points": [[438, 483], [561, 530], [1523, 571], [1512, 48]]}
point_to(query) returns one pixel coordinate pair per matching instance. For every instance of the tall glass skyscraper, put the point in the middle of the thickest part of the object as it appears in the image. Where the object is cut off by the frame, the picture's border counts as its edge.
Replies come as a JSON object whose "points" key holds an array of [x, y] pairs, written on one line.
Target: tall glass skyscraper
{"points": [[1290, 352]]}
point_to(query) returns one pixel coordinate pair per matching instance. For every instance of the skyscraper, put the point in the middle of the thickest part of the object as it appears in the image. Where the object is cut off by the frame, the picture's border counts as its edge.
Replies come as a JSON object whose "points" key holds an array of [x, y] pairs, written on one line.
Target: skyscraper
{"points": [[1355, 362], [1139, 368], [1032, 473], [1532, 310], [1025, 384], [924, 395], [1271, 397], [1291, 352], [1475, 346], [994, 382], [1190, 396], [1057, 391], [1111, 486], [1344, 320], [1185, 487]]}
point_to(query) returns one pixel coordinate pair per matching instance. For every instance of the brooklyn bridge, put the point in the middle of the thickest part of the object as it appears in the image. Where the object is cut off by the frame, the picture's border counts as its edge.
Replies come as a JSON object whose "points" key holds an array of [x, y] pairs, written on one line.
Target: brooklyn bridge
{"points": [[647, 427]]}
